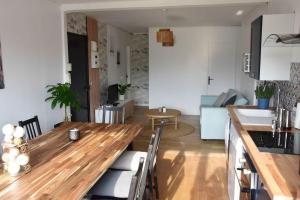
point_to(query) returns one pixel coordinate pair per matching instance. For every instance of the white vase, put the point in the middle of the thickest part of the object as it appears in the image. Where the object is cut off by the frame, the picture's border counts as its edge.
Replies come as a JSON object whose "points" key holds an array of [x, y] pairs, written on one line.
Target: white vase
{"points": [[121, 97]]}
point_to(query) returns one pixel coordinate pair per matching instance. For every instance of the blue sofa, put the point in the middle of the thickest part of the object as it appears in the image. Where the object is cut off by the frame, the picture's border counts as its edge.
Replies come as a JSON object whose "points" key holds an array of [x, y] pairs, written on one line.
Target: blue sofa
{"points": [[213, 119]]}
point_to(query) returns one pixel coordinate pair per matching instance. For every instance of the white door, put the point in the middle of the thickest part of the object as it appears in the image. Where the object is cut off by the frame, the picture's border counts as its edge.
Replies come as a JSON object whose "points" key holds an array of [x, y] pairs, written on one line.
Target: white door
{"points": [[221, 70]]}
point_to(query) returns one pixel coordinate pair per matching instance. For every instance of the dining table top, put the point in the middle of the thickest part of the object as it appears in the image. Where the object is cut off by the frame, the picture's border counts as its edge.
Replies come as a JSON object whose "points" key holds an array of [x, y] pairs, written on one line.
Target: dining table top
{"points": [[64, 169]]}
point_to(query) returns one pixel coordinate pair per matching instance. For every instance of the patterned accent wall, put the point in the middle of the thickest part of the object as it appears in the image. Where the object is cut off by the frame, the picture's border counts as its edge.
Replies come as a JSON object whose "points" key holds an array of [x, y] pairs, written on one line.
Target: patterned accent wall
{"points": [[103, 62], [139, 70], [76, 23], [290, 90]]}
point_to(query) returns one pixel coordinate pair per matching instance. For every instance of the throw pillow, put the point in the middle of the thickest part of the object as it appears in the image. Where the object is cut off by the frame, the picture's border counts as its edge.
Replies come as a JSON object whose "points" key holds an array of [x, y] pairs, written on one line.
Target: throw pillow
{"points": [[229, 101], [230, 93], [220, 99]]}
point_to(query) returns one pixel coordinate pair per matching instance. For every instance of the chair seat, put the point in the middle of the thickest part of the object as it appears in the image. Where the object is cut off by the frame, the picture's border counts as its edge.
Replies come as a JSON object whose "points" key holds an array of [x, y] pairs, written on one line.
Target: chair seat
{"points": [[114, 183], [129, 160]]}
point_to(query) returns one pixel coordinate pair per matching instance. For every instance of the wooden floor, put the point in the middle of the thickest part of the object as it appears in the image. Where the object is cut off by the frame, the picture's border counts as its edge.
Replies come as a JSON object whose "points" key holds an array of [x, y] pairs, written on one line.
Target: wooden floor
{"points": [[188, 168]]}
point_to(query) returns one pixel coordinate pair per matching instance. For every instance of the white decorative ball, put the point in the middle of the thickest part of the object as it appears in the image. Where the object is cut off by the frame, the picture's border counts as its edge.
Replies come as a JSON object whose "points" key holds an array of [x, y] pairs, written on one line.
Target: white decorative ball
{"points": [[8, 129], [14, 152], [18, 141], [22, 159], [8, 139], [19, 132], [5, 157], [13, 168]]}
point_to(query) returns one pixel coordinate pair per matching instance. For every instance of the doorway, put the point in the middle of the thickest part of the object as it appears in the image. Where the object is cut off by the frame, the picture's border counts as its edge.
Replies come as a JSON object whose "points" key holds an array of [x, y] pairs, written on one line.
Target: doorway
{"points": [[221, 67], [78, 57]]}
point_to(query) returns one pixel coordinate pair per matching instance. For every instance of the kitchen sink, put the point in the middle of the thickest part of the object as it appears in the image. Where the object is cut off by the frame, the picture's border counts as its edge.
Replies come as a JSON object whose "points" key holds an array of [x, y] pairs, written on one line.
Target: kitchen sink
{"points": [[257, 117], [256, 112]]}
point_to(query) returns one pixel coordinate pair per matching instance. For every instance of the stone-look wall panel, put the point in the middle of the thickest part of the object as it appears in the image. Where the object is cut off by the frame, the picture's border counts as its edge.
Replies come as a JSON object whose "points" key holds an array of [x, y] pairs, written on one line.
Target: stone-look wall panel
{"points": [[103, 62], [290, 90], [76, 23], [139, 70]]}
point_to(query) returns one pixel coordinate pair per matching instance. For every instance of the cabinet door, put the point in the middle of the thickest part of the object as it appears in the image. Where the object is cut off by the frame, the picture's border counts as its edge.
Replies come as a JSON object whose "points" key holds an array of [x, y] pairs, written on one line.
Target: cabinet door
{"points": [[270, 60], [276, 60], [235, 153], [256, 31], [233, 184], [226, 137]]}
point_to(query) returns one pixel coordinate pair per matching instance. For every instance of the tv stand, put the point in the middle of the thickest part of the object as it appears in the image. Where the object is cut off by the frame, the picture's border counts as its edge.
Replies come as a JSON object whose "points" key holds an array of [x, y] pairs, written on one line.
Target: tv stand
{"points": [[115, 104], [128, 105]]}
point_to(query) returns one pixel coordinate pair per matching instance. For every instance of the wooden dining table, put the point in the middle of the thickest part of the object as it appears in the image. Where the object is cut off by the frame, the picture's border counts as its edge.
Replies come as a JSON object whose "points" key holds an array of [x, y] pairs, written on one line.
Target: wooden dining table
{"points": [[64, 169]]}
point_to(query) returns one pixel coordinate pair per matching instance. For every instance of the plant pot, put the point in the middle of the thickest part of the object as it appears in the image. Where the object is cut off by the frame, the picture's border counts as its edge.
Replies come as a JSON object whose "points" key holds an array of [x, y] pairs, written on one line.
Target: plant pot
{"points": [[121, 97], [263, 103]]}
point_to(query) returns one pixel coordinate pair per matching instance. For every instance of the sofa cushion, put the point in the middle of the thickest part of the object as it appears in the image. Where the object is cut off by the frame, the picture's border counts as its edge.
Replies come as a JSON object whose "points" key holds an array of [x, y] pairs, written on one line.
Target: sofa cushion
{"points": [[230, 101], [230, 93], [220, 100], [240, 100]]}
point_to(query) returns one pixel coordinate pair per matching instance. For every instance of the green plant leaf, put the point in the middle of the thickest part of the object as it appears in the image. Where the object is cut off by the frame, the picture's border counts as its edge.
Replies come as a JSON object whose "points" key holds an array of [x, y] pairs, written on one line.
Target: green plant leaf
{"points": [[63, 95], [265, 90], [54, 102]]}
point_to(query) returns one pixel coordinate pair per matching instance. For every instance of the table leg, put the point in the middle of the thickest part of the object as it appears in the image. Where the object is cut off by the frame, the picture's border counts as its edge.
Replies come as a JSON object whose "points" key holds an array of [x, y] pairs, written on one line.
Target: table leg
{"points": [[176, 123], [153, 121]]}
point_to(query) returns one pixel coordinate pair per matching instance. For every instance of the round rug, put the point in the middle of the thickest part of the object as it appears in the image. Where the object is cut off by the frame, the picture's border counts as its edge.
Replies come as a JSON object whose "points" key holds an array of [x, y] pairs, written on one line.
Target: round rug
{"points": [[170, 132]]}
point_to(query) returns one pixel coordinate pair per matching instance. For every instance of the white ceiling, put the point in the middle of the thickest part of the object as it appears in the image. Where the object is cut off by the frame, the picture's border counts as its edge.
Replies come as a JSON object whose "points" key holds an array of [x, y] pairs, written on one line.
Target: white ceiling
{"points": [[138, 21], [83, 1], [204, 2]]}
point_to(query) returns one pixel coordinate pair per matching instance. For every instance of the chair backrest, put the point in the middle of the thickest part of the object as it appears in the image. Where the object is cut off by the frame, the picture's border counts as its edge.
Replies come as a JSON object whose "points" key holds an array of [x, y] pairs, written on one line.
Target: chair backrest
{"points": [[143, 180], [156, 146], [135, 180], [32, 127], [116, 115]]}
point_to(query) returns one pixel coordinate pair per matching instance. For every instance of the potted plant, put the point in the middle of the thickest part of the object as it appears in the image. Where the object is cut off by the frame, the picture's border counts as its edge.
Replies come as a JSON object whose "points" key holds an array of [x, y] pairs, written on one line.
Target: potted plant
{"points": [[263, 93], [62, 95], [122, 89]]}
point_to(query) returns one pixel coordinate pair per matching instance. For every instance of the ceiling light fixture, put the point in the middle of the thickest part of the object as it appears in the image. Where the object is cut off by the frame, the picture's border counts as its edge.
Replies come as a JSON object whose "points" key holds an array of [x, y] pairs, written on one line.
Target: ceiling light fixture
{"points": [[165, 35], [239, 12]]}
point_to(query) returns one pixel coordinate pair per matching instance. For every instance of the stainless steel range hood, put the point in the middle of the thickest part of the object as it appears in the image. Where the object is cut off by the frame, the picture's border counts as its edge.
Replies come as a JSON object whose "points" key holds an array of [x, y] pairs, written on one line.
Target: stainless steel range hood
{"points": [[282, 40]]}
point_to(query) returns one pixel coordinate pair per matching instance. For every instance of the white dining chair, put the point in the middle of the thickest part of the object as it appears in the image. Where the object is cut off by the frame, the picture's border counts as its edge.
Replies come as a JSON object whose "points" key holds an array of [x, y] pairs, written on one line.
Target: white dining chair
{"points": [[129, 160], [118, 184]]}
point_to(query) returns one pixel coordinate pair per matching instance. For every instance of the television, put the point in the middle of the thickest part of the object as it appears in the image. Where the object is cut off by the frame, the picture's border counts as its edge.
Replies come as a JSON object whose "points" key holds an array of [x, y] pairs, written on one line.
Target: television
{"points": [[113, 94]]}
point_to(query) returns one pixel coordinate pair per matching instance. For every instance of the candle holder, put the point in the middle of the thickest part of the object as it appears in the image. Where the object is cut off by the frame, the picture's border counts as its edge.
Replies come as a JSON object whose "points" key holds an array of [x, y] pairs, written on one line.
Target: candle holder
{"points": [[15, 155], [74, 134]]}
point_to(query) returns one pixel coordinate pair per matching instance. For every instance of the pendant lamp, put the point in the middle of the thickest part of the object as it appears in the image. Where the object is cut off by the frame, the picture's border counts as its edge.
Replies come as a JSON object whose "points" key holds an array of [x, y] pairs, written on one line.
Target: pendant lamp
{"points": [[165, 36]]}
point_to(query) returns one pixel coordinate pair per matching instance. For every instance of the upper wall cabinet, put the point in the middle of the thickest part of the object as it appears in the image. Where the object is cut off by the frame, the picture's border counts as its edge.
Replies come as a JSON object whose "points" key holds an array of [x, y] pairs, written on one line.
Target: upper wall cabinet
{"points": [[270, 62]]}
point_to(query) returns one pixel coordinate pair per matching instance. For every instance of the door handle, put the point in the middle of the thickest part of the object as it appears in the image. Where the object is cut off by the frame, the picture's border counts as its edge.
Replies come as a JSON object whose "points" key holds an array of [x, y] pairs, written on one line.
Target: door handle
{"points": [[209, 79]]}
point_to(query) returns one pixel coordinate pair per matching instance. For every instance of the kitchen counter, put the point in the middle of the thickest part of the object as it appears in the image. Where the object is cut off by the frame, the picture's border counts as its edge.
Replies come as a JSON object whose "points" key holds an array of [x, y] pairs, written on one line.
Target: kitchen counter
{"points": [[279, 172]]}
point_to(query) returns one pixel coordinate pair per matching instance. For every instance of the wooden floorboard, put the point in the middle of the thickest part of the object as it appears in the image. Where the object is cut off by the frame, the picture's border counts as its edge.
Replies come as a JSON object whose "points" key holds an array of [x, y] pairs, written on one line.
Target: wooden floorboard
{"points": [[188, 168]]}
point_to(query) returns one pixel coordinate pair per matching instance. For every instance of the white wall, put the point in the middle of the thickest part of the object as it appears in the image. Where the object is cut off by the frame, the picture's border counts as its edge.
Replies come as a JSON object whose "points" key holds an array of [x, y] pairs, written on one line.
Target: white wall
{"points": [[30, 33], [178, 74], [118, 40], [246, 84]]}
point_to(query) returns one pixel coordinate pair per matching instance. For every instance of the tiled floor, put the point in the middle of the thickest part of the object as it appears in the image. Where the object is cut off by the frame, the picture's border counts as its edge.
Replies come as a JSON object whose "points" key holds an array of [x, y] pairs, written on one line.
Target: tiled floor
{"points": [[188, 168]]}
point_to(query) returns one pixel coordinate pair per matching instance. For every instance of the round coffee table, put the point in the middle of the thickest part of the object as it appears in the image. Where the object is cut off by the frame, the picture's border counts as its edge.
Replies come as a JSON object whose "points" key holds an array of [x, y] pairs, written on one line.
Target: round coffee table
{"points": [[155, 114]]}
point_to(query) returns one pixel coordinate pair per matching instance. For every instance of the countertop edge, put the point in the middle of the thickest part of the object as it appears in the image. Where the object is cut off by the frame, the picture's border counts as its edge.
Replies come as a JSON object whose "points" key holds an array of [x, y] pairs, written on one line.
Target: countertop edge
{"points": [[275, 191]]}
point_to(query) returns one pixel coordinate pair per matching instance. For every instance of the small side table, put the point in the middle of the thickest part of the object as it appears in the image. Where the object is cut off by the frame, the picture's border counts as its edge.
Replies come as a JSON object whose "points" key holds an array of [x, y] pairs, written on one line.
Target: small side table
{"points": [[155, 114]]}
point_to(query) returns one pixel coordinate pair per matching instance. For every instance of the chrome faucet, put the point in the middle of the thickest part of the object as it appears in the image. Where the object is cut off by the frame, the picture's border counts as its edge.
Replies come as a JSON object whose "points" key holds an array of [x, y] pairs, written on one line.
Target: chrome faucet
{"points": [[277, 100]]}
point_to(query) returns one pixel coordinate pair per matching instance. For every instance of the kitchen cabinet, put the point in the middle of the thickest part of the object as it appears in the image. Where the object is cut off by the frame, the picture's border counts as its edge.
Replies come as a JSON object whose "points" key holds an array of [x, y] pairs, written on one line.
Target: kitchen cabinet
{"points": [[235, 151], [270, 61]]}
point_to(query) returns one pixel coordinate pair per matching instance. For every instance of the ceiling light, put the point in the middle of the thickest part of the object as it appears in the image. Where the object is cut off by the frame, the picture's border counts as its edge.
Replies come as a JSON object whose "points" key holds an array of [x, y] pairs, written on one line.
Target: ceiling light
{"points": [[239, 12], [165, 35]]}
